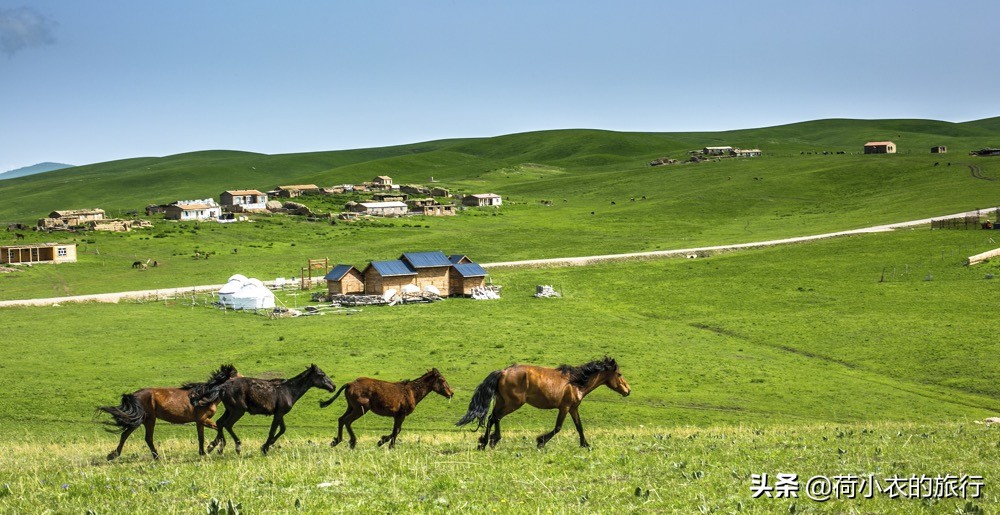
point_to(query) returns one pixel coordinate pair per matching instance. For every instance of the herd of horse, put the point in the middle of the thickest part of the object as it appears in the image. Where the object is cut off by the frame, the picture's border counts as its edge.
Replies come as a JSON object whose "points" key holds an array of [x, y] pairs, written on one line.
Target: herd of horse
{"points": [[562, 388]]}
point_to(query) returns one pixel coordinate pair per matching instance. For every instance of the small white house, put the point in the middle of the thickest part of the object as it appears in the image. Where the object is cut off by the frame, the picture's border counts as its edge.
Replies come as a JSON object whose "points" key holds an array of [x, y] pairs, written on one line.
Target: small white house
{"points": [[205, 209], [233, 200], [482, 199]]}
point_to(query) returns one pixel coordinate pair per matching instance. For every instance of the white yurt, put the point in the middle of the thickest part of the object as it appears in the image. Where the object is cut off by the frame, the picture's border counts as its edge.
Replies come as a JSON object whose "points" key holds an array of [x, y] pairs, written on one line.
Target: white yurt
{"points": [[232, 286], [253, 295]]}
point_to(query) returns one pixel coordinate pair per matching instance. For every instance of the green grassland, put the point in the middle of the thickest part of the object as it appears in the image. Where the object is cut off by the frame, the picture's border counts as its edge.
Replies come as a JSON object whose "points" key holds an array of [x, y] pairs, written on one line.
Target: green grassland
{"points": [[787, 359], [869, 354]]}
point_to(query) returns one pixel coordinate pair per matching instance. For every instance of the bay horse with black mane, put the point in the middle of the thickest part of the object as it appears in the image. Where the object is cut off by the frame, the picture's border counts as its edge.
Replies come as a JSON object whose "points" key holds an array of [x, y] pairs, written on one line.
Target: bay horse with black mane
{"points": [[396, 400], [264, 397], [143, 407], [561, 388]]}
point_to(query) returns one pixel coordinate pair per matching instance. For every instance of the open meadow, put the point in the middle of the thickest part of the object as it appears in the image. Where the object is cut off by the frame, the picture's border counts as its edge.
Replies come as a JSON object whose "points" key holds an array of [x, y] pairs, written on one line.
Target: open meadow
{"points": [[868, 357], [782, 360]]}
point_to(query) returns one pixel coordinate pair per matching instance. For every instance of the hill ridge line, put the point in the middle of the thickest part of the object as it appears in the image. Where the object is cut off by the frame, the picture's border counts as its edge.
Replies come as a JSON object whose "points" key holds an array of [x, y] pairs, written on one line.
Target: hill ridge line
{"points": [[548, 262]]}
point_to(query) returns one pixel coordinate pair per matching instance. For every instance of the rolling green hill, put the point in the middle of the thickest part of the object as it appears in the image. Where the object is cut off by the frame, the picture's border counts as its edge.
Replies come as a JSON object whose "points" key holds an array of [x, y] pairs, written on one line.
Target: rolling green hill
{"points": [[134, 183]]}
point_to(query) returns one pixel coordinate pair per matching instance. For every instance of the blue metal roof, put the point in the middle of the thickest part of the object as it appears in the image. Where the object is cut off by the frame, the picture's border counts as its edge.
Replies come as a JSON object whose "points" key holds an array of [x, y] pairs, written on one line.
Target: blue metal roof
{"points": [[392, 268], [470, 270], [338, 272], [426, 259], [455, 258]]}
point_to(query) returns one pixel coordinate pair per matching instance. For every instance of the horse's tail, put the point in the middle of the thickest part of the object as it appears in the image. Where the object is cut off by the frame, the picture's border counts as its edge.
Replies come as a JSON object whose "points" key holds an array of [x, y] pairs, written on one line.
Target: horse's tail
{"points": [[329, 401], [127, 415], [479, 406]]}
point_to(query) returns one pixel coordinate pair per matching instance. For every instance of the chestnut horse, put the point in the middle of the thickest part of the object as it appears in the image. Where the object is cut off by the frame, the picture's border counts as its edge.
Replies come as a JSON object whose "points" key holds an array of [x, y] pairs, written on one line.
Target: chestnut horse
{"points": [[396, 400], [263, 397], [561, 388], [143, 407]]}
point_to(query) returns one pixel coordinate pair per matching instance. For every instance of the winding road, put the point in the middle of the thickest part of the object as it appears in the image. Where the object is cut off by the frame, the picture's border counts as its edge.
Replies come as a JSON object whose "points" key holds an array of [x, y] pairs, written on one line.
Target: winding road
{"points": [[552, 262]]}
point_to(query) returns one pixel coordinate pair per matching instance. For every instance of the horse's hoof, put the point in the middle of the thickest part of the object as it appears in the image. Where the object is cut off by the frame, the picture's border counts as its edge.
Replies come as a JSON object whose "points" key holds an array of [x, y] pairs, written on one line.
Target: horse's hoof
{"points": [[481, 447], [334, 443], [263, 450], [112, 456], [353, 443]]}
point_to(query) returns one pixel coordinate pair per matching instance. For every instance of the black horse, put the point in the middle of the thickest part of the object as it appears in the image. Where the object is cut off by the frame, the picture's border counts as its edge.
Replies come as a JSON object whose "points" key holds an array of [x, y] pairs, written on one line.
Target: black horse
{"points": [[263, 397]]}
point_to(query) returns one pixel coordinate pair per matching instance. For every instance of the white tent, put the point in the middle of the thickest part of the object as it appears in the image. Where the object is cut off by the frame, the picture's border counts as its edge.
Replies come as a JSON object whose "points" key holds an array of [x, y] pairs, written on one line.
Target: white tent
{"points": [[242, 293], [253, 295], [232, 286]]}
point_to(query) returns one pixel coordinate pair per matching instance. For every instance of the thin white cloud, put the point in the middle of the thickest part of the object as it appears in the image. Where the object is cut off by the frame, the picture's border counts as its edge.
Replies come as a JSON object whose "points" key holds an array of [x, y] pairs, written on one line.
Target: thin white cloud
{"points": [[24, 27]]}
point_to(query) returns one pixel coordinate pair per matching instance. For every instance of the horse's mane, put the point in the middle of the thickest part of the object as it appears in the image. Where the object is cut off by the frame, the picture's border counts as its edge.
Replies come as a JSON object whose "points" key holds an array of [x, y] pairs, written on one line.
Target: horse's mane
{"points": [[208, 391], [579, 376]]}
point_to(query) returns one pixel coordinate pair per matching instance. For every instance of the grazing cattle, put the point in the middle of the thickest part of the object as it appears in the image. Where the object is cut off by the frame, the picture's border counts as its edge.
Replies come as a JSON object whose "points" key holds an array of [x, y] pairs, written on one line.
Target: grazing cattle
{"points": [[396, 400], [18, 236], [561, 388], [174, 405], [136, 264], [263, 397]]}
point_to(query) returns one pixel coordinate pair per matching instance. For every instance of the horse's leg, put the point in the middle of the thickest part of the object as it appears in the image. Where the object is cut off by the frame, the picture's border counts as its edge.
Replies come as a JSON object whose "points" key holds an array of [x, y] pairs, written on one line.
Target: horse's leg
{"points": [[575, 413], [201, 437], [277, 427], [150, 423], [355, 413], [500, 410], [220, 437], [559, 422], [229, 427], [340, 426], [121, 443], [397, 424]]}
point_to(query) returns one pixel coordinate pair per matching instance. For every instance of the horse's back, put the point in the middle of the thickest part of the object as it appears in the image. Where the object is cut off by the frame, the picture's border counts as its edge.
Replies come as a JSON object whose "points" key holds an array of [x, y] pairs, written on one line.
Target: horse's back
{"points": [[381, 397], [541, 387], [168, 404]]}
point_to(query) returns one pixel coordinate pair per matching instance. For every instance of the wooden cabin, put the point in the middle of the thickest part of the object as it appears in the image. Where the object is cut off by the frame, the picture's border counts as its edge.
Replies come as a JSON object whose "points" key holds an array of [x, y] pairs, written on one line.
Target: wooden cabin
{"points": [[345, 280], [382, 276], [463, 277], [38, 253], [431, 268]]}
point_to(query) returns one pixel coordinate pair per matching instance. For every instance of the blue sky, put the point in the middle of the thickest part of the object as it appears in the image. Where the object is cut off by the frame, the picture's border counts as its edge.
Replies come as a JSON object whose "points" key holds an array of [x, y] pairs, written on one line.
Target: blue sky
{"points": [[85, 82]]}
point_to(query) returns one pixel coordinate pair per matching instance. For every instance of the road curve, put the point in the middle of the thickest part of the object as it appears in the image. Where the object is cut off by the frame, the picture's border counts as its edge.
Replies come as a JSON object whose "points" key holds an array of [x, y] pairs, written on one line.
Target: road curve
{"points": [[570, 261]]}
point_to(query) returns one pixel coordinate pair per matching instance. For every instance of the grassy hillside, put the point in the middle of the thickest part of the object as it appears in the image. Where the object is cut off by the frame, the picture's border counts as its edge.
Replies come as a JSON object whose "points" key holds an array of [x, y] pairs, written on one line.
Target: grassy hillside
{"points": [[567, 193], [134, 183]]}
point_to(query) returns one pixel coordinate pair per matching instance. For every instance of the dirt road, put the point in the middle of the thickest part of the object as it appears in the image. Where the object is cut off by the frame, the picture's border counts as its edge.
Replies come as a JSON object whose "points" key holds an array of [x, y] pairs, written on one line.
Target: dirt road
{"points": [[570, 261]]}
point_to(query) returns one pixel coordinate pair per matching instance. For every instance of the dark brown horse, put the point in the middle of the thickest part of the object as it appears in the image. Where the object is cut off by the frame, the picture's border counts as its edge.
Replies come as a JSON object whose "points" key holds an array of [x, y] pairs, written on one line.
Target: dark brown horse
{"points": [[143, 407], [561, 388], [396, 400], [264, 397]]}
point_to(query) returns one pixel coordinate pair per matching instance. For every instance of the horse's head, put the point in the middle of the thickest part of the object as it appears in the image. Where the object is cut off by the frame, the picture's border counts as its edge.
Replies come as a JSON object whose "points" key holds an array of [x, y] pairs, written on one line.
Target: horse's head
{"points": [[616, 381], [319, 379], [440, 385]]}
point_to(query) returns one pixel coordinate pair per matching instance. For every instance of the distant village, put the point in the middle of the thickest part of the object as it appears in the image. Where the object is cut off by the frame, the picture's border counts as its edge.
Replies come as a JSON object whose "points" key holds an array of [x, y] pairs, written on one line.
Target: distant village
{"points": [[386, 200], [871, 147]]}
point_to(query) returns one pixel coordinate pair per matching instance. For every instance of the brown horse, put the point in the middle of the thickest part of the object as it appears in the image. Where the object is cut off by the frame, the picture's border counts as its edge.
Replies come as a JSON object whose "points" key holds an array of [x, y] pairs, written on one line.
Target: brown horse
{"points": [[561, 388], [174, 405], [263, 397], [396, 400]]}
